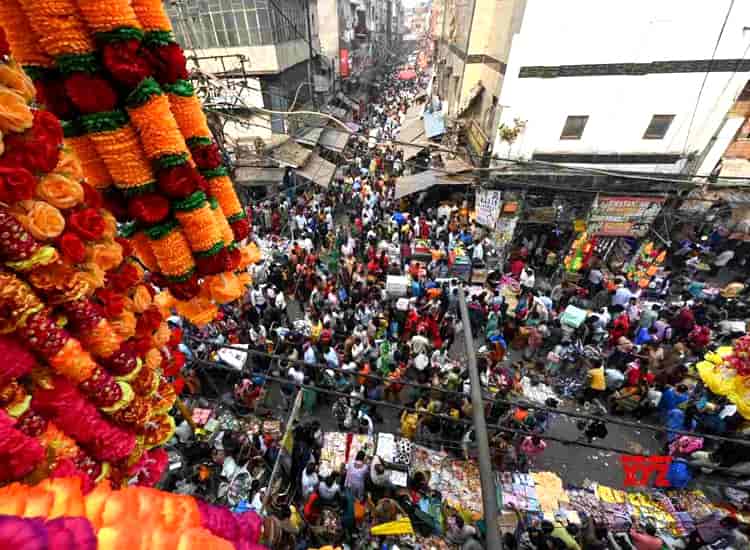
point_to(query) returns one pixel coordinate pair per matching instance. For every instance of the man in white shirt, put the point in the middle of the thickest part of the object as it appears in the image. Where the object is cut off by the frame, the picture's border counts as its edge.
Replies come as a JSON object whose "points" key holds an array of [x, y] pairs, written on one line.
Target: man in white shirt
{"points": [[419, 344], [310, 357], [622, 297]]}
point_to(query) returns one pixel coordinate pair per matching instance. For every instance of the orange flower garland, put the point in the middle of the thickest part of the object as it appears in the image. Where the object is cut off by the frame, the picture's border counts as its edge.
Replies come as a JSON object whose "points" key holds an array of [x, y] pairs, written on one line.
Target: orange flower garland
{"points": [[102, 340], [172, 253], [189, 115], [157, 128], [59, 28], [23, 40], [142, 250], [73, 362], [226, 230], [115, 14], [200, 227], [94, 170], [151, 15], [223, 190], [121, 153]]}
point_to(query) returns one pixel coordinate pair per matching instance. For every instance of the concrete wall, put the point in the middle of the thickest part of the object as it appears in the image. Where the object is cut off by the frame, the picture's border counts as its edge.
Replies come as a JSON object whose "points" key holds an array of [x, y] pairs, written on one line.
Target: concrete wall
{"points": [[268, 59], [620, 107]]}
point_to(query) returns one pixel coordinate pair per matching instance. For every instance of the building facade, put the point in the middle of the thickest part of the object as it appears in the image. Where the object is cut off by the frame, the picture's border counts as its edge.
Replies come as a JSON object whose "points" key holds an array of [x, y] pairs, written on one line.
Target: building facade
{"points": [[643, 86]]}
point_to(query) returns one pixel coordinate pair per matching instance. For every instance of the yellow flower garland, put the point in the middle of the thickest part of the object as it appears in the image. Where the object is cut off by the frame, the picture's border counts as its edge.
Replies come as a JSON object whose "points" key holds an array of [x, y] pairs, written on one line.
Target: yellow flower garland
{"points": [[122, 155], [58, 26], [151, 15], [108, 16], [94, 170], [23, 41], [157, 128]]}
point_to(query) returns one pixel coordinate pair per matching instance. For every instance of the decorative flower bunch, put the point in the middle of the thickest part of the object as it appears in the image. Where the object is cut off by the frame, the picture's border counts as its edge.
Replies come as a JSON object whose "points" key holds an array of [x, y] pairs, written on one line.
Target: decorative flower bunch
{"points": [[99, 394], [134, 518]]}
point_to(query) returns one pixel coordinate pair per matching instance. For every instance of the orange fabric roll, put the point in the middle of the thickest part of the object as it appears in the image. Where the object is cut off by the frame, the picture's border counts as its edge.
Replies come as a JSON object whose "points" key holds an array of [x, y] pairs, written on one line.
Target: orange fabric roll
{"points": [[157, 128], [188, 112], [222, 189]]}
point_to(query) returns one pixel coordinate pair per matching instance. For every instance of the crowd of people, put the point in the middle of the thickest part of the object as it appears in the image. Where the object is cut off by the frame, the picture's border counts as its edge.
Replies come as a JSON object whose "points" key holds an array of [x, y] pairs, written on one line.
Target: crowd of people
{"points": [[322, 318]]}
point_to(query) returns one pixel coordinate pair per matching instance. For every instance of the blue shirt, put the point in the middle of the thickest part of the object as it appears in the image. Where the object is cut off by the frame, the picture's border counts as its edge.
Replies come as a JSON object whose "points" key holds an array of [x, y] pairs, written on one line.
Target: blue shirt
{"points": [[642, 337], [671, 399]]}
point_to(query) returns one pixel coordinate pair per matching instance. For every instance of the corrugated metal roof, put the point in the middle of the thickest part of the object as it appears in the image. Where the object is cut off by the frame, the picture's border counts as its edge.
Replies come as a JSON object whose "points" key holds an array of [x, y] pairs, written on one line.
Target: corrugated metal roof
{"points": [[309, 136], [290, 153], [318, 170], [335, 140], [252, 176]]}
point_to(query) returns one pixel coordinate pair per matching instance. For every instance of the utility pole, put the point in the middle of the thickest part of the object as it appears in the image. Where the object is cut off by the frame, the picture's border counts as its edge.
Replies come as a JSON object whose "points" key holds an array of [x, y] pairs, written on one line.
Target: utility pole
{"points": [[287, 433], [310, 53], [489, 496]]}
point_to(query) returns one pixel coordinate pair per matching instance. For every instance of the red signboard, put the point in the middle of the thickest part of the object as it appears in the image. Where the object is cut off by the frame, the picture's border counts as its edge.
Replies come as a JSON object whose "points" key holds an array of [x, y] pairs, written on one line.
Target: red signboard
{"points": [[344, 63], [639, 469]]}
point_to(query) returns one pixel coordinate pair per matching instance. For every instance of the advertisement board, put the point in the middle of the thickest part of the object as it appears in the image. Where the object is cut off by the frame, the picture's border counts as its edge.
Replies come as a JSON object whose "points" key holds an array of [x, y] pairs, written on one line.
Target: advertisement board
{"points": [[488, 204], [623, 216]]}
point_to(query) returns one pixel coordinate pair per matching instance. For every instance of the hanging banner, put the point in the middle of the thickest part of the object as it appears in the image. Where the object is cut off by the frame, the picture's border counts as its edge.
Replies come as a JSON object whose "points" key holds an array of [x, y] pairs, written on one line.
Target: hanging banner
{"points": [[344, 63], [488, 204], [623, 216]]}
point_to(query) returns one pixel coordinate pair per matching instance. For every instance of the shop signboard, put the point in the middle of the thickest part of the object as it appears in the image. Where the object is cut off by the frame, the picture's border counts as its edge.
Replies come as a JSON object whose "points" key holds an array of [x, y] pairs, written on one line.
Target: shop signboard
{"points": [[477, 140], [344, 67], [488, 204], [623, 216]]}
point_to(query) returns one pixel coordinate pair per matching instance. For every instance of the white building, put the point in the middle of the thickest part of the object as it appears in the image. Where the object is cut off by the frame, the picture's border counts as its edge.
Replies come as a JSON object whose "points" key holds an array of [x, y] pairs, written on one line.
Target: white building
{"points": [[641, 86]]}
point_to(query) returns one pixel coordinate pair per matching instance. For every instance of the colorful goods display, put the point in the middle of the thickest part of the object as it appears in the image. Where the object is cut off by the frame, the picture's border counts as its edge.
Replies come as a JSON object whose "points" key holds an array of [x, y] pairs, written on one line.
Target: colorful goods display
{"points": [[645, 263], [580, 253], [114, 73], [57, 515], [726, 372], [88, 357]]}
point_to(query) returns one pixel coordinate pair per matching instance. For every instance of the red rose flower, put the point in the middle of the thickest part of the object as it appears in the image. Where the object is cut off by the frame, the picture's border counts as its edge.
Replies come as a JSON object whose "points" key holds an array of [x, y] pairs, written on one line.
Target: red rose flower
{"points": [[126, 278], [16, 184], [4, 46], [112, 302], [90, 93], [127, 248], [179, 181], [206, 157], [51, 94], [91, 197], [72, 247], [148, 322], [125, 63], [241, 229], [88, 223], [47, 128], [168, 63], [185, 290], [149, 208], [37, 149]]}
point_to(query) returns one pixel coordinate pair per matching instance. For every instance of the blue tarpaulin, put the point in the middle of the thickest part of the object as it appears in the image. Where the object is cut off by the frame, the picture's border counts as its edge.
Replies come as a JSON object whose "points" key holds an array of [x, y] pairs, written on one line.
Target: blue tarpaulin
{"points": [[434, 124]]}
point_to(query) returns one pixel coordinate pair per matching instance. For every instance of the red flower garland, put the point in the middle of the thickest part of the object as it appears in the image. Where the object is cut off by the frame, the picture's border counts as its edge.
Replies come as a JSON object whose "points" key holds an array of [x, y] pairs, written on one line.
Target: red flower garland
{"points": [[149, 208], [37, 149], [125, 62], [72, 247], [148, 322], [179, 181], [90, 93], [16, 184], [112, 302], [167, 63], [206, 157], [88, 223]]}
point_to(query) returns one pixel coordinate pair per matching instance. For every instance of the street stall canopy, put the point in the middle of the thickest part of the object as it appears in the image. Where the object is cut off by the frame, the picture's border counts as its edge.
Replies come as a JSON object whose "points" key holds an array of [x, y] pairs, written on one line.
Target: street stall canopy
{"points": [[411, 131], [309, 136], [334, 140], [290, 153], [408, 185], [254, 176], [318, 170], [434, 123]]}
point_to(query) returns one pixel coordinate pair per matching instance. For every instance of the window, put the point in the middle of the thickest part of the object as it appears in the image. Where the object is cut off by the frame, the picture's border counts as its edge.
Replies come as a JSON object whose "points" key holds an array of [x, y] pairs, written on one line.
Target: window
{"points": [[658, 127], [574, 126]]}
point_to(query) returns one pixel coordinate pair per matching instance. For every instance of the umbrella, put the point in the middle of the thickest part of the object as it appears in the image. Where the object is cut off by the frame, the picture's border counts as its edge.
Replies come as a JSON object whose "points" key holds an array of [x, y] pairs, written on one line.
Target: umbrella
{"points": [[407, 75]]}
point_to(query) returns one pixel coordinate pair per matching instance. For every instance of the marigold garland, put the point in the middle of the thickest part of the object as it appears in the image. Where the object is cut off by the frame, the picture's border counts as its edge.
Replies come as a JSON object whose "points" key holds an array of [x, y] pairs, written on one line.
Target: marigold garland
{"points": [[94, 169], [115, 15], [199, 223], [121, 153], [144, 253], [172, 253], [151, 15], [157, 128], [226, 231], [23, 40], [222, 189], [188, 113], [59, 28]]}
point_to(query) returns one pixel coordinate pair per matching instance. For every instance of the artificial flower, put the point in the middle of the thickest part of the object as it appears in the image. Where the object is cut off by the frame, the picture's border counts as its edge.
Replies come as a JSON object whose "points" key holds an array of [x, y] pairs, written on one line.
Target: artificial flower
{"points": [[42, 220], [167, 63], [179, 181], [16, 184], [13, 76], [241, 229], [124, 325], [51, 94], [112, 302], [148, 322], [4, 46], [160, 338], [90, 93], [72, 247], [69, 165], [142, 298], [88, 223], [110, 225], [127, 277], [149, 208], [92, 197], [15, 114], [106, 255], [206, 157], [213, 264], [60, 191], [185, 290], [125, 63], [38, 149]]}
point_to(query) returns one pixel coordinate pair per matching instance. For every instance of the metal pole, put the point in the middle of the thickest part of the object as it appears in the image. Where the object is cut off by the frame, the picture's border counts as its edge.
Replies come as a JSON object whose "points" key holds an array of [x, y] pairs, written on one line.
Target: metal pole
{"points": [[277, 464], [310, 53], [489, 496]]}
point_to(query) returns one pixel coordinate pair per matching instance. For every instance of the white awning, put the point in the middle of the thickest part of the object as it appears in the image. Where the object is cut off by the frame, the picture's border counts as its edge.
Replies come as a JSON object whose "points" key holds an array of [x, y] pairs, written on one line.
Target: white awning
{"points": [[309, 136], [318, 170], [416, 183], [290, 153], [411, 131], [334, 140]]}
